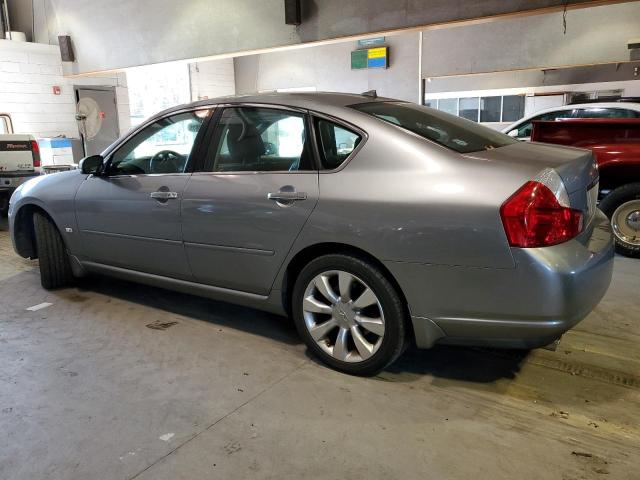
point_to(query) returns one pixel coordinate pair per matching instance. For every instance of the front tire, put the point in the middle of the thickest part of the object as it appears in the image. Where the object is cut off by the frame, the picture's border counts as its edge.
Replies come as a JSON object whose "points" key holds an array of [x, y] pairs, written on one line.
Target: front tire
{"points": [[622, 206], [349, 314], [55, 268]]}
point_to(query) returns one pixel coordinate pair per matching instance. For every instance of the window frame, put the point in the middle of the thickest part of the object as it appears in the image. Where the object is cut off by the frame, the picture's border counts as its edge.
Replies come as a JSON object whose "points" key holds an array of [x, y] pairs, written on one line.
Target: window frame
{"points": [[209, 141], [6, 119], [341, 123], [196, 151]]}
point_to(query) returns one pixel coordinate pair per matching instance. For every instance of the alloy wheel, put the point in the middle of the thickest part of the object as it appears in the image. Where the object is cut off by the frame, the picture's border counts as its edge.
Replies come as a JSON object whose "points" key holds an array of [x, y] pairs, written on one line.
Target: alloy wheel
{"points": [[343, 316]]}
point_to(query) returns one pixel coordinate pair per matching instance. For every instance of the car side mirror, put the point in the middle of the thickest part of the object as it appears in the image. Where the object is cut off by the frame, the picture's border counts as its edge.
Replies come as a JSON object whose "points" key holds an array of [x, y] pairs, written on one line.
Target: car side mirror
{"points": [[91, 165], [513, 133]]}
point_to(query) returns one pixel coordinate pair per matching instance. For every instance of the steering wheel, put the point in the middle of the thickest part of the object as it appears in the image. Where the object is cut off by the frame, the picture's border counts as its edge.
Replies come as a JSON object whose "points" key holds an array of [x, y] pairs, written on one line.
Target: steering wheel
{"points": [[166, 161]]}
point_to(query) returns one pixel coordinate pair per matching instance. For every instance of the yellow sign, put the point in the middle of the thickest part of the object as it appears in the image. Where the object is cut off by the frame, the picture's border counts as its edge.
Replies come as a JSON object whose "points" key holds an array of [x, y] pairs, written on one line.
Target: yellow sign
{"points": [[377, 52]]}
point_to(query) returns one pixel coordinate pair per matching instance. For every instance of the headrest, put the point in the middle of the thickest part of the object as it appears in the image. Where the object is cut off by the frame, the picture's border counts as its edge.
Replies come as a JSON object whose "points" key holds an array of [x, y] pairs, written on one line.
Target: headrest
{"points": [[244, 143]]}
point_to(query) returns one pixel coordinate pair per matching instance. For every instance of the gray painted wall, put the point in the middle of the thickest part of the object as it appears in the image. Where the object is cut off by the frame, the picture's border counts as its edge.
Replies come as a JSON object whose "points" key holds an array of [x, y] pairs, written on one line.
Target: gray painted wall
{"points": [[328, 68], [122, 33], [594, 35]]}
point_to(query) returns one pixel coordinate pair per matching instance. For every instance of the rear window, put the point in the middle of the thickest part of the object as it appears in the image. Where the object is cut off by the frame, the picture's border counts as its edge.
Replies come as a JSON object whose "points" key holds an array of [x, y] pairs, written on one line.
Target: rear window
{"points": [[450, 131]]}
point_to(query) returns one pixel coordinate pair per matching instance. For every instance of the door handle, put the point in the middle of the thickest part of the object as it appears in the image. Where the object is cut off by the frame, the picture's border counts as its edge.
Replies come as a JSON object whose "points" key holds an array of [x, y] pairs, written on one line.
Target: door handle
{"points": [[287, 196], [160, 195]]}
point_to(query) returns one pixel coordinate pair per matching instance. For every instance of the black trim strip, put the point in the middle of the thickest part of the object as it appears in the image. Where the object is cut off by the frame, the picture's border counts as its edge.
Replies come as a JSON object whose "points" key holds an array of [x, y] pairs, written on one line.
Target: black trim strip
{"points": [[251, 251], [131, 237]]}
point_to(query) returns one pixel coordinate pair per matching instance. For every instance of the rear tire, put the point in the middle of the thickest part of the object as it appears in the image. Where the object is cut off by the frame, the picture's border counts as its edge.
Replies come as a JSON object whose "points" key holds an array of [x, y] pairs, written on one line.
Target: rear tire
{"points": [[622, 206], [362, 328], [55, 268]]}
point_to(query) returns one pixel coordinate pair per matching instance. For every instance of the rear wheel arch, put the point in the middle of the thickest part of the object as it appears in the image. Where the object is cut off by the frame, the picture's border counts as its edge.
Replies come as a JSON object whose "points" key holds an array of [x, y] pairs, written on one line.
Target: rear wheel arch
{"points": [[304, 256]]}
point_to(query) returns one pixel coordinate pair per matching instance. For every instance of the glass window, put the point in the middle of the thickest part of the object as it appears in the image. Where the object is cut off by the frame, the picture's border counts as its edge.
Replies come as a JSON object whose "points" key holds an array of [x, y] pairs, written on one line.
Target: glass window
{"points": [[490, 108], [524, 129], [162, 147], [260, 140], [469, 108], [512, 108], [598, 112], [442, 128], [5, 122], [336, 143], [449, 105]]}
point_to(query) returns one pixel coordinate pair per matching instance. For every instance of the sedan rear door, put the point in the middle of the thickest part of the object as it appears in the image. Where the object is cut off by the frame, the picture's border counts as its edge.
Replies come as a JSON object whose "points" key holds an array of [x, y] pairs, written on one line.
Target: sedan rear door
{"points": [[256, 188]]}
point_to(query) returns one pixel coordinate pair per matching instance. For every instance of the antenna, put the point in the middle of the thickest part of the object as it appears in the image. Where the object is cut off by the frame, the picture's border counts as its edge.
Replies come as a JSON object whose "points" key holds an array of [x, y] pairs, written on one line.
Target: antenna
{"points": [[370, 93]]}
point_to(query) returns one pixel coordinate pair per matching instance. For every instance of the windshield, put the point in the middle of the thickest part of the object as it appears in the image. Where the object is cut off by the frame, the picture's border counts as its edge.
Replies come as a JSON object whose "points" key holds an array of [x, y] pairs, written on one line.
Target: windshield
{"points": [[463, 136]]}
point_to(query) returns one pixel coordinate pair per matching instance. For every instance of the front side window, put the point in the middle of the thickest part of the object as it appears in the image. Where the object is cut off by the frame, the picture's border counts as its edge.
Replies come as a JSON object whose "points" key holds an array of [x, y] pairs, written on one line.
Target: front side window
{"points": [[447, 130], [336, 143], [162, 147], [250, 139]]}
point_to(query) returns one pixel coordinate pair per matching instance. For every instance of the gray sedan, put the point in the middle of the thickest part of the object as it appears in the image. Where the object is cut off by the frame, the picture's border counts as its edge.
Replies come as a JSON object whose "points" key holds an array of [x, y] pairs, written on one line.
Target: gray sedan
{"points": [[372, 222]]}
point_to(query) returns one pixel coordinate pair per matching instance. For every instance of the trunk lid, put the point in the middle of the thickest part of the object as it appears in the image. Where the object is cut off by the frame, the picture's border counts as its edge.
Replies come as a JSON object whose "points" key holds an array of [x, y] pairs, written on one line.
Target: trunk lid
{"points": [[576, 167]]}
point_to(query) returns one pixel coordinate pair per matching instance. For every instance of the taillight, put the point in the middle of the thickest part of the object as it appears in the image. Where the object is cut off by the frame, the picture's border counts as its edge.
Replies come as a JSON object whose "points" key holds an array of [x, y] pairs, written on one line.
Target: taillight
{"points": [[35, 153], [533, 217]]}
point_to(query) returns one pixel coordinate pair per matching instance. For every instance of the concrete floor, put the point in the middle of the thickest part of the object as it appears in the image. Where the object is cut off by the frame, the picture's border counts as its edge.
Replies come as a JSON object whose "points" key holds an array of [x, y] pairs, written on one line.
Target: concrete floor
{"points": [[88, 391]]}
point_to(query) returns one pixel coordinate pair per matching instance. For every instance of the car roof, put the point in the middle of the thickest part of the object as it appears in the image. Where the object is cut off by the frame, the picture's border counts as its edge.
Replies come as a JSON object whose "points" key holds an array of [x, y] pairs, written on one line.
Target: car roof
{"points": [[317, 101]]}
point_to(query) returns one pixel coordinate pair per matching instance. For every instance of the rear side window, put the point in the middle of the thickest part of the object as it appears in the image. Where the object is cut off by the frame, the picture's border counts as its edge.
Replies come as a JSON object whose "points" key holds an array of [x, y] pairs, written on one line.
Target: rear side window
{"points": [[251, 139], [450, 131], [336, 143]]}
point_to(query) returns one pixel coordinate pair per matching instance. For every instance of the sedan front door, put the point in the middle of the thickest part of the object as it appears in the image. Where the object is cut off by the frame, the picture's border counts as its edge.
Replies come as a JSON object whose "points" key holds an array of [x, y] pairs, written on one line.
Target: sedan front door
{"points": [[243, 211], [129, 216]]}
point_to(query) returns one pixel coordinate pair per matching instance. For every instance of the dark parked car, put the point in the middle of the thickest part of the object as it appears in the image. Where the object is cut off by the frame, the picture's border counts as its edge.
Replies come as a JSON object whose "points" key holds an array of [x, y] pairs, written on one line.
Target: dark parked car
{"points": [[373, 222]]}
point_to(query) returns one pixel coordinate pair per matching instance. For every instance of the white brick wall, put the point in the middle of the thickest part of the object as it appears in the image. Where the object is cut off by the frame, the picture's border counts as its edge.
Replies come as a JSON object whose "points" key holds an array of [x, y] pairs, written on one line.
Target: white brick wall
{"points": [[211, 79], [28, 72]]}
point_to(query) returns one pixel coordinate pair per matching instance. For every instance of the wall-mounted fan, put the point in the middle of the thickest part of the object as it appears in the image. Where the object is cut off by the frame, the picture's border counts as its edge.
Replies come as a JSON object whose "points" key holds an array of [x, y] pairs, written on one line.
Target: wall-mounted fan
{"points": [[88, 117]]}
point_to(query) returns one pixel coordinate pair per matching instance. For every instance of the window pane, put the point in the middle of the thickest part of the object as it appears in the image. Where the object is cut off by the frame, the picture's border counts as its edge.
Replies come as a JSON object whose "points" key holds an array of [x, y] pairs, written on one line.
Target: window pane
{"points": [[431, 103], [447, 130], [336, 143], [603, 113], [260, 140], [490, 109], [162, 147], [512, 108], [525, 129], [449, 105], [469, 108]]}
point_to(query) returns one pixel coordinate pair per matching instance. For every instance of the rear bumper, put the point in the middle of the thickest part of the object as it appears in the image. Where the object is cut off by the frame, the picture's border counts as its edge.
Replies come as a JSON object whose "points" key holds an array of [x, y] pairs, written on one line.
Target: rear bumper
{"points": [[550, 290], [10, 181]]}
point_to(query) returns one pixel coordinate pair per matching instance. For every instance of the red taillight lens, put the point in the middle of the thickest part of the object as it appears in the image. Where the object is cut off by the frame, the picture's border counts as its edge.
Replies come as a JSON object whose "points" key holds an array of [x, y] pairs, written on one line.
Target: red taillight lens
{"points": [[533, 217], [35, 153]]}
